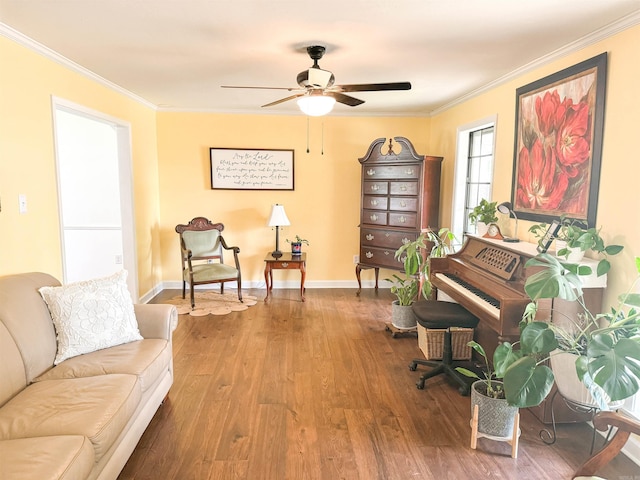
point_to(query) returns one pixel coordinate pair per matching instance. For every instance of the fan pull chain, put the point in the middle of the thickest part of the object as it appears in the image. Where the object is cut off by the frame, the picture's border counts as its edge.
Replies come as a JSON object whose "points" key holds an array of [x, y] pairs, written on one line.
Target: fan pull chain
{"points": [[307, 134], [322, 144]]}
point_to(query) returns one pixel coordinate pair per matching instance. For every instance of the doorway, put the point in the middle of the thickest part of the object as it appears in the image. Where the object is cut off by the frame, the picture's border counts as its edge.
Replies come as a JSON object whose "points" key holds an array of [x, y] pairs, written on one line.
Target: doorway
{"points": [[93, 163]]}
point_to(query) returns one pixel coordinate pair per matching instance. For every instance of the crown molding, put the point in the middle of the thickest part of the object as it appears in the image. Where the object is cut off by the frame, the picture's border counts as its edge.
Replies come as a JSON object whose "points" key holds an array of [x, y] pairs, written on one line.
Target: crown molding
{"points": [[21, 39], [590, 39]]}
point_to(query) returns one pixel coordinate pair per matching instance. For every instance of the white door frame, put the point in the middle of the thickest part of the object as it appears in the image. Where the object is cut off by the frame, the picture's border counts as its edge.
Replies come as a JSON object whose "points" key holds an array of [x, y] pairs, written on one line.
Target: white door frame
{"points": [[125, 168]]}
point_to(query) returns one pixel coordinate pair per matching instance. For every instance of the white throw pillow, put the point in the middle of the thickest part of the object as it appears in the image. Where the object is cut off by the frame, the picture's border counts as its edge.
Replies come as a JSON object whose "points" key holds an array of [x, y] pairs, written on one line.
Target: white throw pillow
{"points": [[91, 315]]}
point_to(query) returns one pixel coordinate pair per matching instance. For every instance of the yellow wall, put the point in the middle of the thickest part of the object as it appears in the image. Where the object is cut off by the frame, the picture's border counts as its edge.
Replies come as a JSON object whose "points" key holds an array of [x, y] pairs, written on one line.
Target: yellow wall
{"points": [[619, 196], [171, 167], [27, 163], [324, 207]]}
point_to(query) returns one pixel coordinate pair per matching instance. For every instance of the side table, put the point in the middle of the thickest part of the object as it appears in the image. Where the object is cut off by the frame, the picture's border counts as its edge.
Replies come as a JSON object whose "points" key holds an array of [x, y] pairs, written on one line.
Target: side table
{"points": [[287, 261]]}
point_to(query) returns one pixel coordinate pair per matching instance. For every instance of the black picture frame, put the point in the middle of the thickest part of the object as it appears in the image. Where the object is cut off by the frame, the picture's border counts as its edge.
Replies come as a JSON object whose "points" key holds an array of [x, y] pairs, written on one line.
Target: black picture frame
{"points": [[558, 144], [549, 236]]}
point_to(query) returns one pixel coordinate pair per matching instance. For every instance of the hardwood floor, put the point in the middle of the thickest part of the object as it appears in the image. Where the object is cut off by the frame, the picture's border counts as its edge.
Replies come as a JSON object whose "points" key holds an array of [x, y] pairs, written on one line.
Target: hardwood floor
{"points": [[319, 390]]}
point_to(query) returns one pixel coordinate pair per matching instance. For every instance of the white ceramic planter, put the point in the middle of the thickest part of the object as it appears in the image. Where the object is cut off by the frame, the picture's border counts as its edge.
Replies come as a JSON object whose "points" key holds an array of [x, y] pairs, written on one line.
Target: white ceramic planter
{"points": [[569, 385], [402, 316], [482, 228], [575, 253]]}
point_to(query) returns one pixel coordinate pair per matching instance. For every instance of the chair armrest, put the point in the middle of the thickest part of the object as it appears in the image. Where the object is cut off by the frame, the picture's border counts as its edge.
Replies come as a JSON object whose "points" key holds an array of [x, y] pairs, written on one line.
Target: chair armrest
{"points": [[236, 250], [619, 419], [156, 320], [625, 427]]}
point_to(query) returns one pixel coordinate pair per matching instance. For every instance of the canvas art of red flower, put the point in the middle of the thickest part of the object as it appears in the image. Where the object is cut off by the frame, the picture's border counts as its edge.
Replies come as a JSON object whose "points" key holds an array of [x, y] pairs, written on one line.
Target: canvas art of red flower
{"points": [[554, 148]]}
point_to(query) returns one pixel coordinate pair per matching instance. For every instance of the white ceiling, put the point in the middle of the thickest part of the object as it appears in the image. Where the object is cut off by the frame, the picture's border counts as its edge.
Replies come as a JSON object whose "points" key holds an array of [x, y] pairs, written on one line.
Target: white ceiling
{"points": [[176, 54]]}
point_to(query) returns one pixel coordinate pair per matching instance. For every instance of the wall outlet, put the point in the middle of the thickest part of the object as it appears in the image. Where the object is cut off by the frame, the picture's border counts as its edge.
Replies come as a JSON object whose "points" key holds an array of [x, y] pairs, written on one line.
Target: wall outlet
{"points": [[356, 259], [22, 203]]}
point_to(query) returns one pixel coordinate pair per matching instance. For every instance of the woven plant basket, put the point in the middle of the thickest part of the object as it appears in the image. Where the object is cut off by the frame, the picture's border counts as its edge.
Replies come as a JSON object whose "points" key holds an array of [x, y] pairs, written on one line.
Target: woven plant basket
{"points": [[495, 416]]}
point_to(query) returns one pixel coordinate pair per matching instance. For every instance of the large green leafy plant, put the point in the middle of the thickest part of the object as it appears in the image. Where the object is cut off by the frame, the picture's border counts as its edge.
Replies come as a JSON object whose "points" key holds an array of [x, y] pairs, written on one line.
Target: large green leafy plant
{"points": [[576, 235], [607, 346], [415, 264], [484, 212]]}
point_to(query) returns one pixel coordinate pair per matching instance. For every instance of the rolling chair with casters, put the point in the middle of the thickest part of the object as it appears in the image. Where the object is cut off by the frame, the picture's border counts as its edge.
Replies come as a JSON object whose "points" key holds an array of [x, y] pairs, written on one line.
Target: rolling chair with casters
{"points": [[443, 315]]}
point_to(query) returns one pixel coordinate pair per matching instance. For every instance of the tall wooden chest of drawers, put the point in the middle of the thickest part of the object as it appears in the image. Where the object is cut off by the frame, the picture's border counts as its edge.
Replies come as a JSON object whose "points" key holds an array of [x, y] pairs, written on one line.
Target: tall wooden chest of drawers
{"points": [[400, 196]]}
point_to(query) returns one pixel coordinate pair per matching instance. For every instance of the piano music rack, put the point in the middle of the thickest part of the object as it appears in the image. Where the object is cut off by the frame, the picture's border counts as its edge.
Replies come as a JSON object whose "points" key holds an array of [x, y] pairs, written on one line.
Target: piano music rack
{"points": [[501, 263]]}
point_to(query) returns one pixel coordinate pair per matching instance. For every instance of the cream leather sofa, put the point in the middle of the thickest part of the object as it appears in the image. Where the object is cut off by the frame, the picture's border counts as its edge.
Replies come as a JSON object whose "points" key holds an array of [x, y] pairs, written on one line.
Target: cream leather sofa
{"points": [[82, 418]]}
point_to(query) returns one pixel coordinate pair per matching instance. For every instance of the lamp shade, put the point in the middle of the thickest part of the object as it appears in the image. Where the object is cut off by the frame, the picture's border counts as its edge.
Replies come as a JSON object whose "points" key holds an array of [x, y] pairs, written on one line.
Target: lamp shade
{"points": [[278, 217], [316, 105], [506, 208]]}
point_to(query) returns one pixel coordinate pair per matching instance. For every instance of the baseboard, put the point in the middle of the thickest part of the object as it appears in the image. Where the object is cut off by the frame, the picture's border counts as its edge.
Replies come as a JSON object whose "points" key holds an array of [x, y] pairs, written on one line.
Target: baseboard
{"points": [[259, 284]]}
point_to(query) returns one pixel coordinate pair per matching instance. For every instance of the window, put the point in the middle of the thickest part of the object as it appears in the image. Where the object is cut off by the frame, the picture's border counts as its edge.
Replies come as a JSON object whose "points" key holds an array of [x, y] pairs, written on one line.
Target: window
{"points": [[473, 173], [479, 172]]}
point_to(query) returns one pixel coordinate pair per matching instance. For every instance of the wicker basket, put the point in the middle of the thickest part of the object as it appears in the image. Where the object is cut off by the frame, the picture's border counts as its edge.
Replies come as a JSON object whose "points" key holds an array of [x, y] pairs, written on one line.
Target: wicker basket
{"points": [[431, 342]]}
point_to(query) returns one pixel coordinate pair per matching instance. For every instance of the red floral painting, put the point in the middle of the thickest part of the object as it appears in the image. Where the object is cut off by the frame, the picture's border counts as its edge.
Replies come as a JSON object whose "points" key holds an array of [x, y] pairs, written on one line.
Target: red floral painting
{"points": [[558, 143]]}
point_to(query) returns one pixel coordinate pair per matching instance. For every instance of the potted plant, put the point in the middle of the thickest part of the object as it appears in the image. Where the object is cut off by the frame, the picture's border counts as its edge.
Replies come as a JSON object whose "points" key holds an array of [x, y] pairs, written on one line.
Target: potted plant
{"points": [[605, 346], [573, 240], [495, 416], [483, 214], [415, 282], [296, 245]]}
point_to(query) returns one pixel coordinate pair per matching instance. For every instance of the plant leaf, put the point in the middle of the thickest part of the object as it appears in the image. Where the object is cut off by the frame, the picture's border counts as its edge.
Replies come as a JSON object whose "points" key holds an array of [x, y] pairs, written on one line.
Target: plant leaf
{"points": [[538, 338], [616, 368], [503, 357], [631, 299], [527, 384], [554, 280]]}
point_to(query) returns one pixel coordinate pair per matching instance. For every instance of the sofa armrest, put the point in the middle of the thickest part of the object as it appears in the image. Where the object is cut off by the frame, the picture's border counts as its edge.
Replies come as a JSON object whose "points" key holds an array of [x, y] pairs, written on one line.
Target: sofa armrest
{"points": [[156, 320]]}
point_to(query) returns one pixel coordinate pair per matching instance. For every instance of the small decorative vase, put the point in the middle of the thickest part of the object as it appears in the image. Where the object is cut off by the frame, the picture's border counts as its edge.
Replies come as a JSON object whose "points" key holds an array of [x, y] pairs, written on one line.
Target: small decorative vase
{"points": [[402, 316], [296, 248], [495, 416], [482, 228], [575, 253]]}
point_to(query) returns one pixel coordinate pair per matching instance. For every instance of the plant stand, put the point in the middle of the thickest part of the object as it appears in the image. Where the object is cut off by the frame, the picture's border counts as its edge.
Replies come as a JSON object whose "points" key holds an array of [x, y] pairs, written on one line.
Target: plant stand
{"points": [[512, 440], [395, 331]]}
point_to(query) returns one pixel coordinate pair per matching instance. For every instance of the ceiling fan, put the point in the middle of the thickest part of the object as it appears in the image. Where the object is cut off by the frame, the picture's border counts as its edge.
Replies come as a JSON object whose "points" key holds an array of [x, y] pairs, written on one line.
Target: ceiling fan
{"points": [[318, 84]]}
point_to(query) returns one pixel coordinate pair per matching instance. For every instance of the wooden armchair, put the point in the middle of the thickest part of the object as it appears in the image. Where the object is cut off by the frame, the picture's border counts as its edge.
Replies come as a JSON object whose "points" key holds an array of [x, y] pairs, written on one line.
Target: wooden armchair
{"points": [[602, 421], [201, 249]]}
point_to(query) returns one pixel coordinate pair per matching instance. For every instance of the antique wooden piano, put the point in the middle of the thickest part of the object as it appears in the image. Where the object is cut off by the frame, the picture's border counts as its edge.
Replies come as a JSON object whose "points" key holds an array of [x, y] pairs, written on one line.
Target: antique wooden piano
{"points": [[487, 277]]}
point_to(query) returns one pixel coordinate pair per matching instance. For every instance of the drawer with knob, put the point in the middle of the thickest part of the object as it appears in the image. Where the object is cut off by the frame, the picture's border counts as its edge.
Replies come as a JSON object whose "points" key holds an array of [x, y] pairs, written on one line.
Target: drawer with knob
{"points": [[382, 257], [375, 203], [403, 188], [392, 239], [405, 220], [391, 171], [374, 217], [404, 204]]}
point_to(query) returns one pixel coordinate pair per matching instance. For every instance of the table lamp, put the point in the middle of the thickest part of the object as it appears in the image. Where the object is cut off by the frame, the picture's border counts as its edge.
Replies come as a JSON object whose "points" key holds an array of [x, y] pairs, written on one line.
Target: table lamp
{"points": [[278, 219], [507, 209]]}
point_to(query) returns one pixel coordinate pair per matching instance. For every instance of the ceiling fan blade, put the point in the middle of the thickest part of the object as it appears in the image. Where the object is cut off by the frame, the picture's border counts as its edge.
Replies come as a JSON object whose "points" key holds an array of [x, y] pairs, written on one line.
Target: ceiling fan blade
{"points": [[344, 99], [290, 89], [282, 100], [373, 87]]}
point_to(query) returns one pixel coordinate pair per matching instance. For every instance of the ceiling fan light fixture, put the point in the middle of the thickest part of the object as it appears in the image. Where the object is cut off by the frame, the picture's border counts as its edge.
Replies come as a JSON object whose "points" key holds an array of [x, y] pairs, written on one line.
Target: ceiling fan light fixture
{"points": [[316, 105]]}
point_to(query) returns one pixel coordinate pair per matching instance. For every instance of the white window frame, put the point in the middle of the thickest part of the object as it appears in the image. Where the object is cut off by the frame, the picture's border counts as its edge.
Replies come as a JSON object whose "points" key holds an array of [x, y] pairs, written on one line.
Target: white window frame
{"points": [[461, 167]]}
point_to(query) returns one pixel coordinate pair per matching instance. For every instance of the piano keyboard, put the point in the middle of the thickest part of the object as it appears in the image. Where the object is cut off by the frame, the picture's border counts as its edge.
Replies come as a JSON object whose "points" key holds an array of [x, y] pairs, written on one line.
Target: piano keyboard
{"points": [[488, 303]]}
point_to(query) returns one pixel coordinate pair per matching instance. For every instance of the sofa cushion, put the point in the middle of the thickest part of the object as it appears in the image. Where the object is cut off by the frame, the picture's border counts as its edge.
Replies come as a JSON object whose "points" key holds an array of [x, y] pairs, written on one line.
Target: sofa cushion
{"points": [[65, 457], [147, 359], [95, 407], [26, 318], [91, 315]]}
